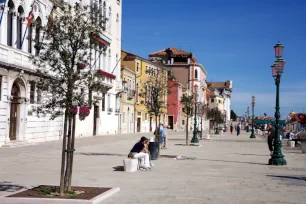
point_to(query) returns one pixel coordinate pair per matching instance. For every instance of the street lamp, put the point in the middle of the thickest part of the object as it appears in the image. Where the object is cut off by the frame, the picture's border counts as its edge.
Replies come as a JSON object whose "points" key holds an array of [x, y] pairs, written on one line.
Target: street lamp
{"points": [[253, 104], [277, 158], [195, 138]]}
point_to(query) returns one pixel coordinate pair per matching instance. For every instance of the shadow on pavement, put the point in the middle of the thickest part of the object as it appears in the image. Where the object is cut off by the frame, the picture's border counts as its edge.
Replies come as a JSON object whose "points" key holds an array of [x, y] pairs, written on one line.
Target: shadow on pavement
{"points": [[118, 168], [7, 186], [263, 155], [98, 154], [289, 177], [233, 162]]}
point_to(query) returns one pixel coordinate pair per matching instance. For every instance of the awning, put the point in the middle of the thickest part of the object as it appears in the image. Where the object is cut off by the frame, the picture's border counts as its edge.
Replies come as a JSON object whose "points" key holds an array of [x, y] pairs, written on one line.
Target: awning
{"points": [[102, 39]]}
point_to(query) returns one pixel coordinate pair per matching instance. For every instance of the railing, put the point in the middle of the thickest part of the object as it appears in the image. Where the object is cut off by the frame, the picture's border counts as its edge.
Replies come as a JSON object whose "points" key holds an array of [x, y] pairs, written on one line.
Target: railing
{"points": [[117, 110], [109, 110], [14, 56]]}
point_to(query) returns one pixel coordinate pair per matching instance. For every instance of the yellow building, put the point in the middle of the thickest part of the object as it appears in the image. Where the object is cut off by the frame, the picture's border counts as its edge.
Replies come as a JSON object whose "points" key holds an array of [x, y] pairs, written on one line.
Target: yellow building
{"points": [[145, 71], [127, 101]]}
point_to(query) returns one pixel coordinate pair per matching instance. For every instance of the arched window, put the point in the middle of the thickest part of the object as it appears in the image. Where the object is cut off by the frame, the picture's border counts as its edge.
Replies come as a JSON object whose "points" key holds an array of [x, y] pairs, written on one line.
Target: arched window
{"points": [[10, 14], [20, 16], [117, 26], [196, 74], [110, 67], [104, 16], [110, 20], [37, 35]]}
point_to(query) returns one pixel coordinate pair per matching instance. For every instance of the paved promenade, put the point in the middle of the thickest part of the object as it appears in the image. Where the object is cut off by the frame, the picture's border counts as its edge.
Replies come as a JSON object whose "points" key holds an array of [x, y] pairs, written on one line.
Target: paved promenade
{"points": [[228, 169]]}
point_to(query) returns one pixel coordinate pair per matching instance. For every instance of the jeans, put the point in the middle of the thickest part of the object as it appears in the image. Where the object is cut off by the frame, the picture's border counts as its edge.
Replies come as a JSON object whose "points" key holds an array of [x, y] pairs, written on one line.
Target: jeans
{"points": [[270, 143], [144, 159], [165, 141]]}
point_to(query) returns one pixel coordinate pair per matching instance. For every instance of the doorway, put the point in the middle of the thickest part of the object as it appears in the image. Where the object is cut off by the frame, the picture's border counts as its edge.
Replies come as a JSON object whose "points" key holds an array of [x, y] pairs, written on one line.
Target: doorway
{"points": [[170, 121], [138, 124], [96, 116], [15, 93]]}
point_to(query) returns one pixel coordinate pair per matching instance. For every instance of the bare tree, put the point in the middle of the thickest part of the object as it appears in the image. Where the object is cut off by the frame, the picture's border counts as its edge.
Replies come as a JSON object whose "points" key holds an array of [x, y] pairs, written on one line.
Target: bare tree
{"points": [[187, 101]]}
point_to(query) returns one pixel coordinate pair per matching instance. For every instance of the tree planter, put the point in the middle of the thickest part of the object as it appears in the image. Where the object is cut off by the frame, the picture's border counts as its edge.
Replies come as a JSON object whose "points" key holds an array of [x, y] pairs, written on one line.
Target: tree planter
{"points": [[291, 143], [87, 195]]}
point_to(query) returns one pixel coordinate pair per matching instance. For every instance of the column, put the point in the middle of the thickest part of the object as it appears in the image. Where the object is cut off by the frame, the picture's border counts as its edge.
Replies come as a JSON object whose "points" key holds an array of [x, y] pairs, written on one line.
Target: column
{"points": [[14, 30], [25, 42], [33, 38], [3, 27]]}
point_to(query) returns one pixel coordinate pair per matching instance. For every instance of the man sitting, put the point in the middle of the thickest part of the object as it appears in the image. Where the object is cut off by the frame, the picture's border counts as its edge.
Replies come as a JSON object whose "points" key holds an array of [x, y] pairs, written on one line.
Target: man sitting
{"points": [[140, 151]]}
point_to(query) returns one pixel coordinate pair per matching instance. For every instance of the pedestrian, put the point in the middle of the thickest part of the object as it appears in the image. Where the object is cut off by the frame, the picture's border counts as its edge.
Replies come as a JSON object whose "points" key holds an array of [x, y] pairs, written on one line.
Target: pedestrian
{"points": [[238, 129], [271, 134], [165, 136], [161, 135], [231, 128]]}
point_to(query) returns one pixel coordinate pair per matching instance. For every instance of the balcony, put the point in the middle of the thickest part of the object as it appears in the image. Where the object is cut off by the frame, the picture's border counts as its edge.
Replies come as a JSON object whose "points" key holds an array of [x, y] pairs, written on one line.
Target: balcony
{"points": [[15, 57], [119, 87], [117, 111], [130, 94]]}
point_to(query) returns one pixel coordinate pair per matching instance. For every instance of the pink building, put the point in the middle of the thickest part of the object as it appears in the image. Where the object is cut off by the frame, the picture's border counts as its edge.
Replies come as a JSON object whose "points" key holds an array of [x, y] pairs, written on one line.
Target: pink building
{"points": [[175, 113]]}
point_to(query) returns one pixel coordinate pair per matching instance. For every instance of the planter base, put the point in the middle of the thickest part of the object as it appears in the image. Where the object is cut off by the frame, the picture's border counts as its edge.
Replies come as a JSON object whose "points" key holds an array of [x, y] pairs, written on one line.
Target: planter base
{"points": [[28, 196]]}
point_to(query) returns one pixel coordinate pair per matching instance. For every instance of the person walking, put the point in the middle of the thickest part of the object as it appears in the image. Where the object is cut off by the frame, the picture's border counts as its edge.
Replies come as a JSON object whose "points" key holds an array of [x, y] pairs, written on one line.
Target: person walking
{"points": [[238, 129], [231, 128], [165, 136], [161, 135], [271, 134]]}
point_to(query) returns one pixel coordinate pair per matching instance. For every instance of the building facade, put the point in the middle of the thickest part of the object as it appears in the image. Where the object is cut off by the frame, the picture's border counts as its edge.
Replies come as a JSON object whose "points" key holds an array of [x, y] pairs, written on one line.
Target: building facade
{"points": [[176, 119], [18, 91], [145, 70], [127, 101], [186, 70]]}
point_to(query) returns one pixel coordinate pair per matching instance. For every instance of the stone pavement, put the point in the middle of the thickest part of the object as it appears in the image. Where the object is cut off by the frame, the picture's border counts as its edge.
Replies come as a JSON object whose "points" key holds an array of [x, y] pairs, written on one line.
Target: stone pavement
{"points": [[228, 169]]}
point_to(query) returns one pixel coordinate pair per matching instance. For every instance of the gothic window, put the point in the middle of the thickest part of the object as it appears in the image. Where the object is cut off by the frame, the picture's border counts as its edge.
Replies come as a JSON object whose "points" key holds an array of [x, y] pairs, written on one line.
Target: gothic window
{"points": [[30, 32], [10, 15], [20, 15], [110, 20], [37, 36]]}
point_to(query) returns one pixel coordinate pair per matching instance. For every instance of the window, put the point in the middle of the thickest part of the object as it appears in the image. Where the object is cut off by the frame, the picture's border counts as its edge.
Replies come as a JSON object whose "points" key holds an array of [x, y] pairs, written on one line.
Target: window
{"points": [[37, 36], [108, 100], [118, 26], [123, 117], [30, 30], [196, 74], [10, 14], [147, 70], [104, 61], [103, 101], [38, 96], [219, 101], [104, 16], [137, 89], [212, 100], [19, 26], [146, 116], [139, 114], [137, 67], [118, 2], [183, 122], [32, 92], [132, 119], [110, 67], [110, 20]]}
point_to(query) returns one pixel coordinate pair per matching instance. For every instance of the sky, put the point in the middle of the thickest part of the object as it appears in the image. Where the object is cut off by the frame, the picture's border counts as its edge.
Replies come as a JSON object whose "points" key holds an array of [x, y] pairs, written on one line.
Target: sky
{"points": [[233, 39]]}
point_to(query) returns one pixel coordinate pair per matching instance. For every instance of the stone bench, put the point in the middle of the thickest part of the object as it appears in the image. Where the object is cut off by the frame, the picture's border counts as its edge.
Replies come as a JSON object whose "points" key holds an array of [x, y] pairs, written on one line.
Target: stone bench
{"points": [[130, 165]]}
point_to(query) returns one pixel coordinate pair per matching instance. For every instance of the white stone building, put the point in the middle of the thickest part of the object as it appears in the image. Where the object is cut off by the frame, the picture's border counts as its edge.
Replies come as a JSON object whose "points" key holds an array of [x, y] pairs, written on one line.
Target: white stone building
{"points": [[18, 93]]}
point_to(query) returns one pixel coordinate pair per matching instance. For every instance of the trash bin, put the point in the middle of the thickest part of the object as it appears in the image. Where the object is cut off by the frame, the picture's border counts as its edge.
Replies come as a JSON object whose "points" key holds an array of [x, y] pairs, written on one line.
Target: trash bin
{"points": [[153, 149]]}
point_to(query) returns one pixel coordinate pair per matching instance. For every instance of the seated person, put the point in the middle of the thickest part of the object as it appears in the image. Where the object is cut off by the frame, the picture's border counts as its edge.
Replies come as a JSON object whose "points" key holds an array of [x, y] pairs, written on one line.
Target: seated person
{"points": [[140, 151]]}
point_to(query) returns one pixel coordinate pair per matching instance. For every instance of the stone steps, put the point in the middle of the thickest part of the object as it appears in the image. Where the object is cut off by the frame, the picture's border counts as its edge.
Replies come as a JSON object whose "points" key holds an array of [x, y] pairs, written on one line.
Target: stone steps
{"points": [[18, 143]]}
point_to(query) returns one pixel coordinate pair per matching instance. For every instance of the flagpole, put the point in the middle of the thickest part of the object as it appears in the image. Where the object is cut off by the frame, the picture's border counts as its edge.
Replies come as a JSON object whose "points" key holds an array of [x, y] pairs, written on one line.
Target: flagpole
{"points": [[2, 13], [23, 37]]}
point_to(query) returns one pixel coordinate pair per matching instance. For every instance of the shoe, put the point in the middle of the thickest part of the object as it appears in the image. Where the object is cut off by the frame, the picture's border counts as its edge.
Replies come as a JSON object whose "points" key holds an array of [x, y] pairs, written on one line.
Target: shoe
{"points": [[151, 164], [144, 168]]}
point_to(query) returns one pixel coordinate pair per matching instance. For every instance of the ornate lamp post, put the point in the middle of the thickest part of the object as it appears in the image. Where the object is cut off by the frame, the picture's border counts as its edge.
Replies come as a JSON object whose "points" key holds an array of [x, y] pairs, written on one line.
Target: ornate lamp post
{"points": [[253, 104], [277, 158], [195, 138]]}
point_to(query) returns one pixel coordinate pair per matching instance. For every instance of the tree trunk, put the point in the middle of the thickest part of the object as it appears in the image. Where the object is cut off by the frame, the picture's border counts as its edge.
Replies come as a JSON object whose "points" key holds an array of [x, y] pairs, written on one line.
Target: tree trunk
{"points": [[72, 152], [201, 128], [62, 181], [187, 126], [68, 154]]}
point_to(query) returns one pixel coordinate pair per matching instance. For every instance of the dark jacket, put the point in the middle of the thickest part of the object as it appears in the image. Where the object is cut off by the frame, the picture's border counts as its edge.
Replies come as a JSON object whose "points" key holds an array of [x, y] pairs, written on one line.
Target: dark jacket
{"points": [[271, 133]]}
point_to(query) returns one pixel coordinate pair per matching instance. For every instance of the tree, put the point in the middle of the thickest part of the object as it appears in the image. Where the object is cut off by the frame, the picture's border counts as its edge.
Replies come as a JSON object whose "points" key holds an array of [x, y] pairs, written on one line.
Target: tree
{"points": [[155, 92], [233, 115], [215, 115], [65, 63], [187, 101], [202, 111]]}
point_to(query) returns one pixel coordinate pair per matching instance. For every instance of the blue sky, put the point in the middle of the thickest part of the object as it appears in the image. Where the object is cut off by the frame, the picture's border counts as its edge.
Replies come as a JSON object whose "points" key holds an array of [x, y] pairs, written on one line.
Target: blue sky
{"points": [[233, 39]]}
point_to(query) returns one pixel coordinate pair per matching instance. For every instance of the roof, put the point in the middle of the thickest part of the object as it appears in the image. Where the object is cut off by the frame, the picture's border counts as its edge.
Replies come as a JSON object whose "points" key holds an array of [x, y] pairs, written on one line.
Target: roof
{"points": [[220, 85], [172, 50]]}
